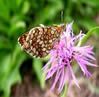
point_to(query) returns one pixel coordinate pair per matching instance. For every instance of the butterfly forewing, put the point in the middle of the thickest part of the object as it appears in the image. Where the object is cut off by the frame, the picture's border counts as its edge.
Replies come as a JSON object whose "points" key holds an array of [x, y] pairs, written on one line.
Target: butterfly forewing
{"points": [[40, 40]]}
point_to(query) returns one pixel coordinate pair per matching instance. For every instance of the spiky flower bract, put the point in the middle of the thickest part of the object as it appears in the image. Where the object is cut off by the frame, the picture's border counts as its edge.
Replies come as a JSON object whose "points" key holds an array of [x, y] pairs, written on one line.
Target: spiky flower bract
{"points": [[64, 55]]}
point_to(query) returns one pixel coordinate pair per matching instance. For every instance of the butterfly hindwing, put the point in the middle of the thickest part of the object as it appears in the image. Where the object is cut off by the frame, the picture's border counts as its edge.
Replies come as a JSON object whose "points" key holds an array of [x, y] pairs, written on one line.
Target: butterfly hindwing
{"points": [[40, 40]]}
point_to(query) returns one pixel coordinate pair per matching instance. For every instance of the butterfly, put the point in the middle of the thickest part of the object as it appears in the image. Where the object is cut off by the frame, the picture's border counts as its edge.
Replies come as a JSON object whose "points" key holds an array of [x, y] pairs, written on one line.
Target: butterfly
{"points": [[40, 40]]}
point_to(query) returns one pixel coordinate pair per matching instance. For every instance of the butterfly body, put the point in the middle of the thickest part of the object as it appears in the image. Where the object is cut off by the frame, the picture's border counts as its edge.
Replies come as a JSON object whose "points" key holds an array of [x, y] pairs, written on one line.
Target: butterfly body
{"points": [[40, 40]]}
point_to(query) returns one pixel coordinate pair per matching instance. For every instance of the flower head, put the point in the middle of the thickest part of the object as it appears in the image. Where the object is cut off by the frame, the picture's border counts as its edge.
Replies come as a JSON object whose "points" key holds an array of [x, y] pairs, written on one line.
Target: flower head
{"points": [[65, 53]]}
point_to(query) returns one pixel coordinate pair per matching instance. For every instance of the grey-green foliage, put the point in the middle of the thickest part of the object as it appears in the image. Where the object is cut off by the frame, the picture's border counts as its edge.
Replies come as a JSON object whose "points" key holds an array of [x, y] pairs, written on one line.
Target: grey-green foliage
{"points": [[17, 16]]}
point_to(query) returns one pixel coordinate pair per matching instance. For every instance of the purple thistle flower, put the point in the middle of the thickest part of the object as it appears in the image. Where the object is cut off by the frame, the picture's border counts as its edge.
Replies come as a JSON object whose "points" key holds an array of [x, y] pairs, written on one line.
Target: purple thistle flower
{"points": [[64, 54]]}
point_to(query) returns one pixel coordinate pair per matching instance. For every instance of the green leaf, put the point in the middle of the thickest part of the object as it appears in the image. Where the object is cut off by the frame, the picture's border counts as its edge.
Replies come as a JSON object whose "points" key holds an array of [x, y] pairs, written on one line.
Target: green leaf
{"points": [[5, 43], [37, 66], [87, 22], [48, 12], [17, 27], [4, 10], [9, 71], [91, 2], [25, 7]]}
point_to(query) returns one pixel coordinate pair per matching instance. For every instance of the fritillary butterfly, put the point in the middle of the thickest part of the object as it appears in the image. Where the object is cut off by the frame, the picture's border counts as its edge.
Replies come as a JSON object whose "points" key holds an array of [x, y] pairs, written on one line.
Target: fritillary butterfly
{"points": [[39, 40]]}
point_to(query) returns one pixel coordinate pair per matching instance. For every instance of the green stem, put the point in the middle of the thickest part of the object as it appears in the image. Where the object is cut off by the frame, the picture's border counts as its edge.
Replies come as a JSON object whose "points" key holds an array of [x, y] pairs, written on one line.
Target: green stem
{"points": [[64, 93], [89, 33]]}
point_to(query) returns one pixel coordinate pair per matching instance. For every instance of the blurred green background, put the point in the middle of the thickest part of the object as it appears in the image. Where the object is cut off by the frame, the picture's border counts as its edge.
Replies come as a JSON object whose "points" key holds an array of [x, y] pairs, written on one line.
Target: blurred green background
{"points": [[19, 16]]}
